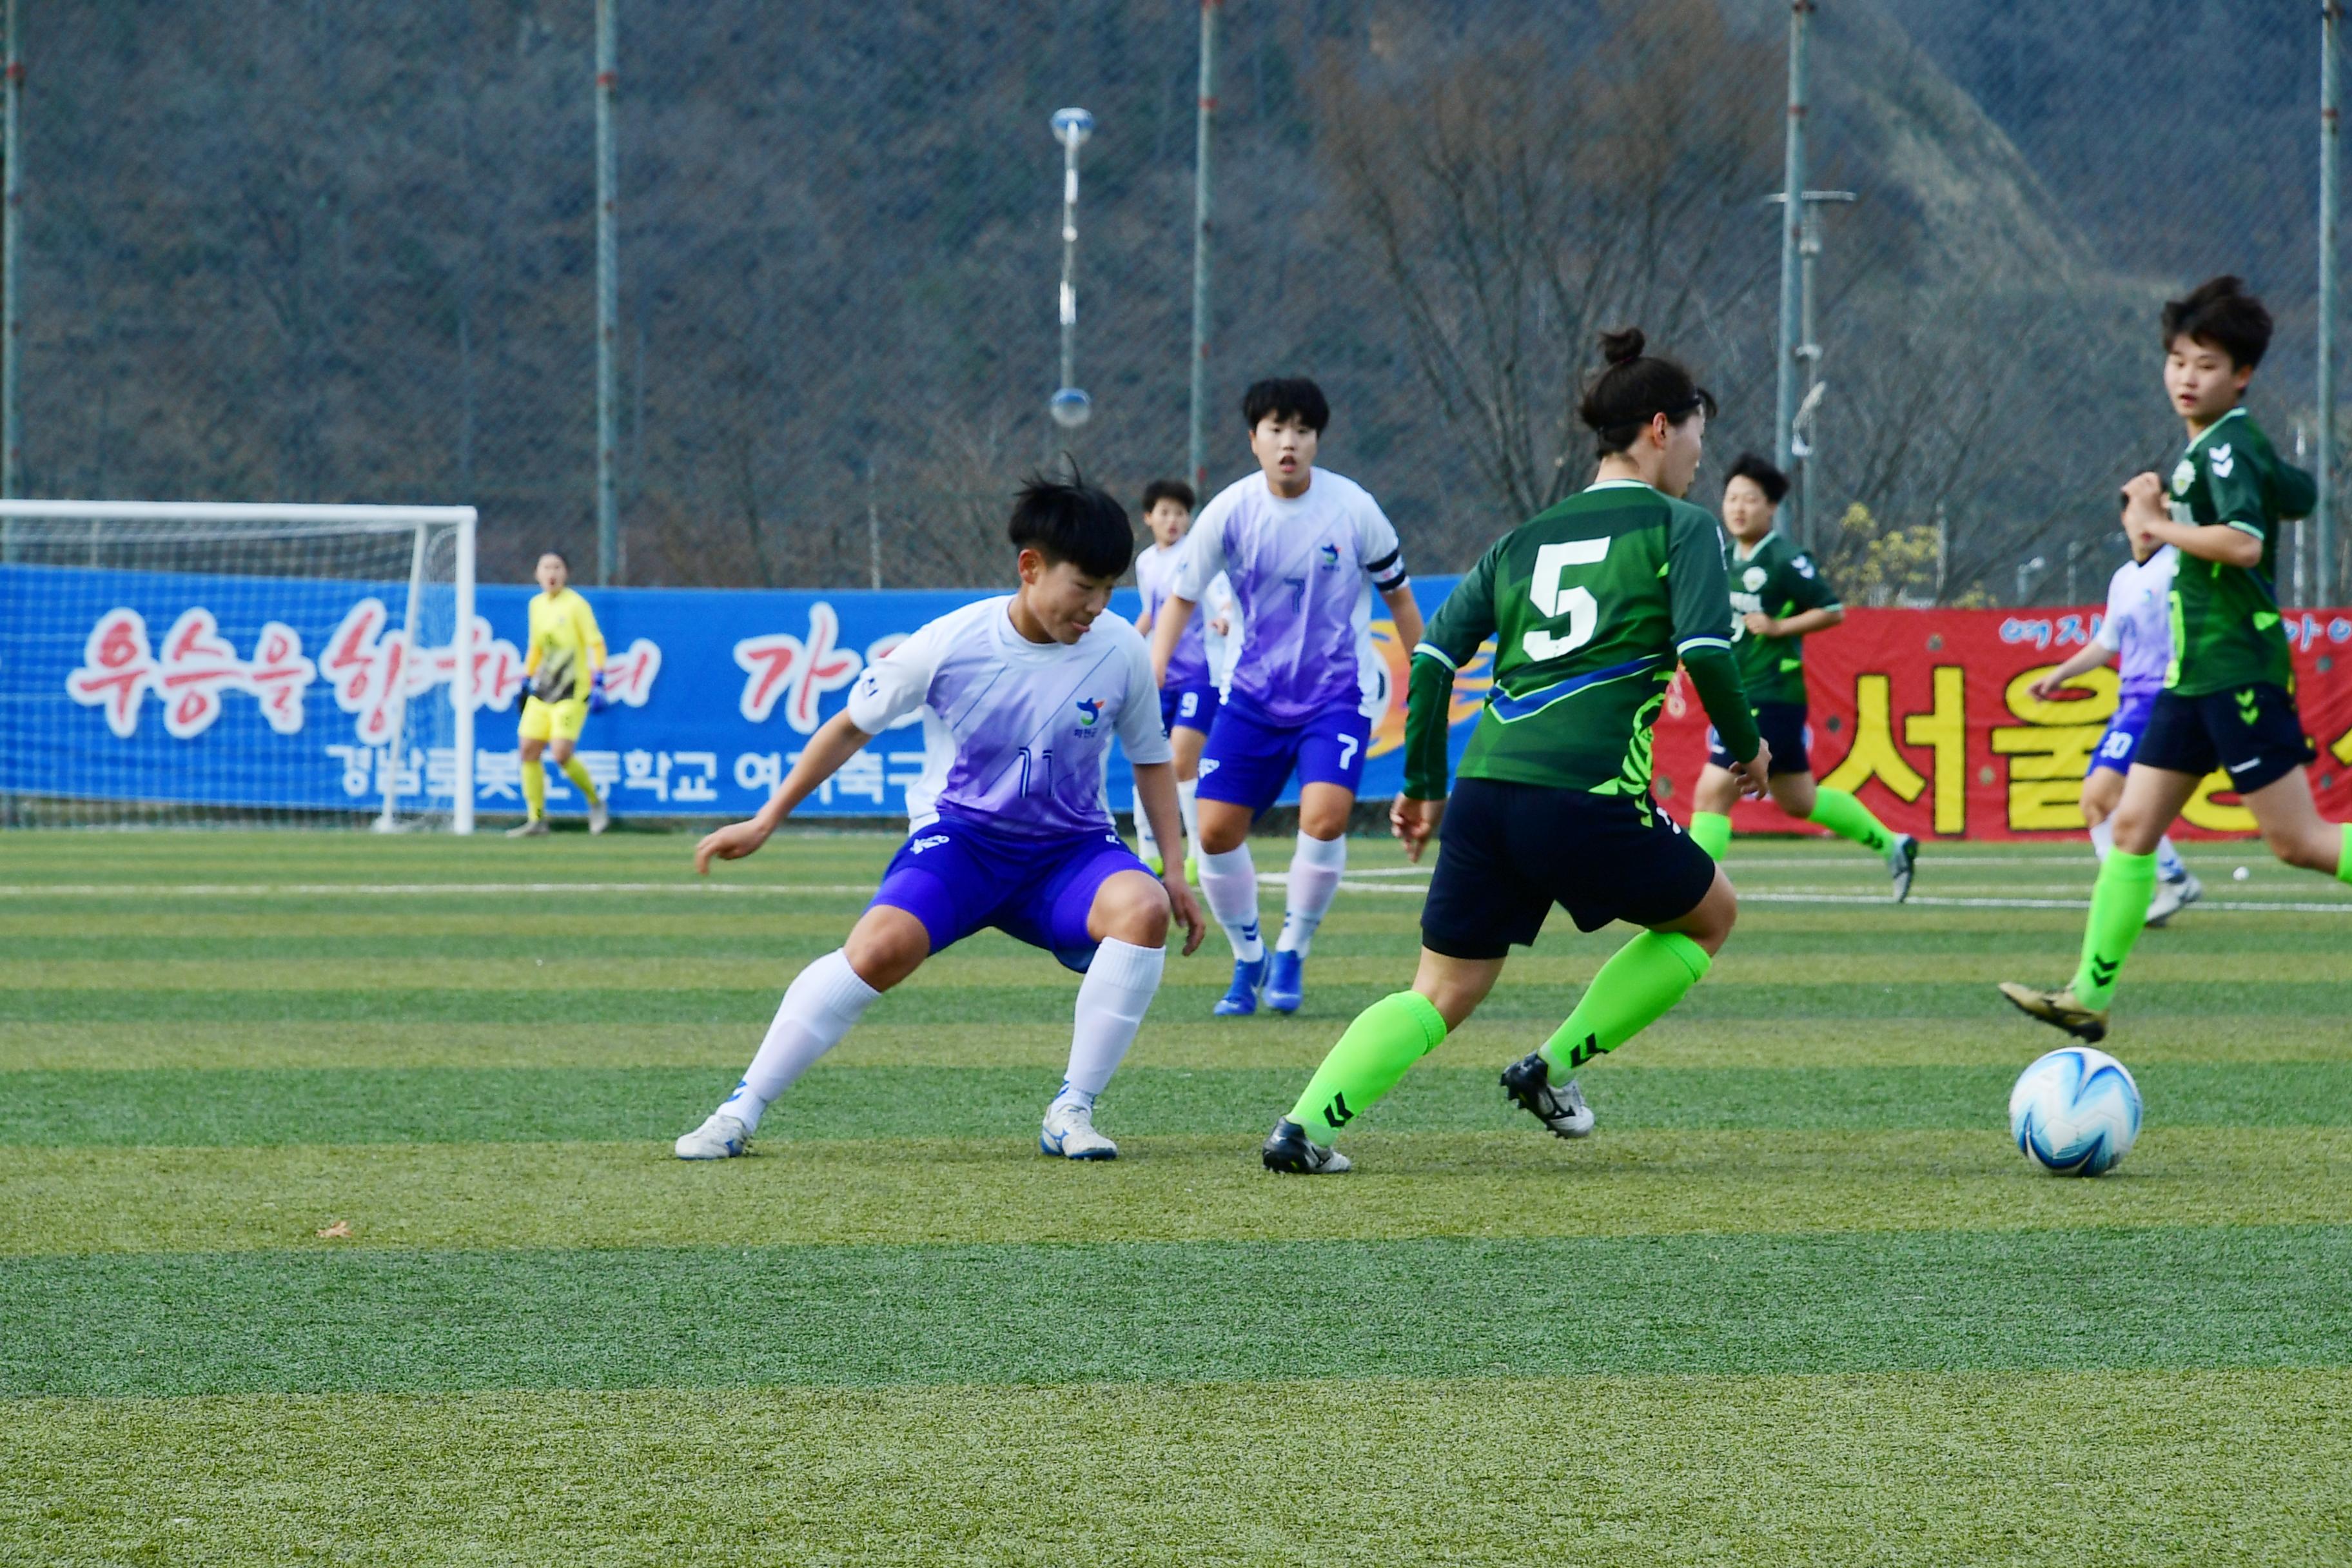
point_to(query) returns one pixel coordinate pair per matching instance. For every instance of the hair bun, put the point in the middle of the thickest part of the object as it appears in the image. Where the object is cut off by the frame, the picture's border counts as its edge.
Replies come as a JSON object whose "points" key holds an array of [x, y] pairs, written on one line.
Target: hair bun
{"points": [[1623, 346]]}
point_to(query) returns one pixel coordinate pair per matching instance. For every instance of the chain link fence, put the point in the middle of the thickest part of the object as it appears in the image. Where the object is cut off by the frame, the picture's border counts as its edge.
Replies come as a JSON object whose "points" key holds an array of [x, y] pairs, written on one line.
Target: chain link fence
{"points": [[303, 251]]}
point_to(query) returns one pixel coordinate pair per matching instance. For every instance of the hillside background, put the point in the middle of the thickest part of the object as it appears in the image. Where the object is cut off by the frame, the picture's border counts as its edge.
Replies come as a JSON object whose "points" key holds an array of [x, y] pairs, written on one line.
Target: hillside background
{"points": [[303, 251]]}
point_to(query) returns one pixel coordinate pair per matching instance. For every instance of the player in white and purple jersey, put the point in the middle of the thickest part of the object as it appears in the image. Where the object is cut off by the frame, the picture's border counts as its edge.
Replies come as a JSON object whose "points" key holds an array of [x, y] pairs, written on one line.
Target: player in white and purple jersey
{"points": [[1189, 696], [2137, 626], [1031, 687], [1304, 549]]}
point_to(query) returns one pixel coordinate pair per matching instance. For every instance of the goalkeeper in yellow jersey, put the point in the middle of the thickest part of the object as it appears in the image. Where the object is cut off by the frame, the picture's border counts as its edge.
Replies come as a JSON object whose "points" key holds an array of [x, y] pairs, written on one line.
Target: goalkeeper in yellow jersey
{"points": [[566, 652]]}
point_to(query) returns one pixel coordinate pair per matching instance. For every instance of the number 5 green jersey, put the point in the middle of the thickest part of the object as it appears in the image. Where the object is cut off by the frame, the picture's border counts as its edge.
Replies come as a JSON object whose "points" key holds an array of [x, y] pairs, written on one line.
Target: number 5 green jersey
{"points": [[2225, 620], [1591, 603]]}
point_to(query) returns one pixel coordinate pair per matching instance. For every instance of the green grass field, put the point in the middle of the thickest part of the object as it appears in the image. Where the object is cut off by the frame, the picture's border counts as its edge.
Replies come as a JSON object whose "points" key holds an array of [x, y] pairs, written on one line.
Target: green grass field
{"points": [[1797, 1301]]}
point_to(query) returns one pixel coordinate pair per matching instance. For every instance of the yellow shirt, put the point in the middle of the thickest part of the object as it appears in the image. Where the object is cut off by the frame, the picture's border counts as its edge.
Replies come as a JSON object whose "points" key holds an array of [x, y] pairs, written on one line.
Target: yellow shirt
{"points": [[565, 642]]}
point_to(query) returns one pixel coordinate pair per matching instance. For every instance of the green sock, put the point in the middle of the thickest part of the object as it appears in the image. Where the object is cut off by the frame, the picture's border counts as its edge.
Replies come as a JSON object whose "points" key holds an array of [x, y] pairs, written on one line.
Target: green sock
{"points": [[577, 772], [2344, 857], [2118, 909], [1849, 818], [534, 791], [1385, 1040], [1711, 831], [1634, 988]]}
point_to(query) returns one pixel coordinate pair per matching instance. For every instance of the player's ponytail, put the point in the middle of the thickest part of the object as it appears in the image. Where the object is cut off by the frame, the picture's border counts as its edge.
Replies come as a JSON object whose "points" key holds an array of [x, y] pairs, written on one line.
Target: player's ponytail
{"points": [[1635, 389]]}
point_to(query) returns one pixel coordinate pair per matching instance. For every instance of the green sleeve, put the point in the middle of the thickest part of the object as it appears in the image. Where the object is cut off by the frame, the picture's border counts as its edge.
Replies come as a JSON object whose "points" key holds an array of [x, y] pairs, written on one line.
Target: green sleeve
{"points": [[2241, 500], [1716, 677], [1698, 594], [1808, 589], [2294, 492], [1450, 641]]}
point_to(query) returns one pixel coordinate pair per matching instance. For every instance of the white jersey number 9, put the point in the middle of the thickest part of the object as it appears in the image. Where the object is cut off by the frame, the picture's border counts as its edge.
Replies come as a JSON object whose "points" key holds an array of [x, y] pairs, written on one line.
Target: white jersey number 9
{"points": [[1583, 612]]}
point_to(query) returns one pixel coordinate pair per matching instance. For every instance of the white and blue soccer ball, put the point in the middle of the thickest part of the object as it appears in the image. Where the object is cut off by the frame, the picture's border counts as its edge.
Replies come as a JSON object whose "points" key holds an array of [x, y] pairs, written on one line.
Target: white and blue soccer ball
{"points": [[2076, 1112]]}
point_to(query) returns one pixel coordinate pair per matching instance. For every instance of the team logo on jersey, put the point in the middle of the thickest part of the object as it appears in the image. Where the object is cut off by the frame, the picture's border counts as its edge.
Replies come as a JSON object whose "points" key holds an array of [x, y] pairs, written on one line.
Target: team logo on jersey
{"points": [[1753, 578], [1804, 564], [1089, 711], [933, 842], [2220, 459], [1330, 553], [2183, 477]]}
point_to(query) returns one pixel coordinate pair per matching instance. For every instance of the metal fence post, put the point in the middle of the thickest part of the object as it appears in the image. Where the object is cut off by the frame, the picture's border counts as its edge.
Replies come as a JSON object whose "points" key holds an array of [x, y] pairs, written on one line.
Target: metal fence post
{"points": [[1792, 219], [608, 304], [12, 331], [2322, 511], [1197, 449]]}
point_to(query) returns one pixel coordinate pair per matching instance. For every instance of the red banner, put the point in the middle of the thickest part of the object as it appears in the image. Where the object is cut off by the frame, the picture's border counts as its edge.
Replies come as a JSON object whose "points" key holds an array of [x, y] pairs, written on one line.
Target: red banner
{"points": [[1924, 715]]}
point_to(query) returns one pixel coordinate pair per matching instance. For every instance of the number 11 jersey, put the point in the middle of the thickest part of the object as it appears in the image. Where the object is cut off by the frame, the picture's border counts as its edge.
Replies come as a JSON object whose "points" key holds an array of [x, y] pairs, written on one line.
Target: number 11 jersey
{"points": [[1592, 603]]}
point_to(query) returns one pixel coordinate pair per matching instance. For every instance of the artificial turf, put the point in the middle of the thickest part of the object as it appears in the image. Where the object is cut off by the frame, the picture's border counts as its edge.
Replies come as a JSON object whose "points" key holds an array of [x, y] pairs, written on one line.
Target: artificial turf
{"points": [[1796, 1301]]}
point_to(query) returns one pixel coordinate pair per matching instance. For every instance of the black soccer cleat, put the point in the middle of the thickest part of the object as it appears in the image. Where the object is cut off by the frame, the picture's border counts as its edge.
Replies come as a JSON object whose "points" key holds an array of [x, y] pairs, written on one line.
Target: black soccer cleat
{"points": [[1901, 861], [1528, 1083], [1289, 1151]]}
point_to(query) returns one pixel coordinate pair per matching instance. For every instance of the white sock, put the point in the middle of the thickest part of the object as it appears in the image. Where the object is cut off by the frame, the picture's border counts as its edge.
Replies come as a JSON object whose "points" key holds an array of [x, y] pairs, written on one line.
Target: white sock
{"points": [[1316, 868], [2168, 864], [1145, 845], [1112, 1000], [2103, 837], [818, 1008], [1229, 883], [1188, 807]]}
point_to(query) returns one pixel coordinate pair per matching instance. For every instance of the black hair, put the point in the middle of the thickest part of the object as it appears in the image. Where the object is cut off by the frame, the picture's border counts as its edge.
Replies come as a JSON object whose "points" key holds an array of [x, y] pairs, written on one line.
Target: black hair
{"points": [[1285, 397], [1070, 520], [1770, 479], [1635, 390], [2221, 314], [1158, 490]]}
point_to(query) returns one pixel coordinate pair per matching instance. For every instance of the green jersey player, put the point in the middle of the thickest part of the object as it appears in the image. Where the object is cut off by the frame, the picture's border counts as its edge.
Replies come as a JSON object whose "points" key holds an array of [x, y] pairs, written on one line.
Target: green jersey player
{"points": [[2229, 695], [1590, 603], [1777, 596]]}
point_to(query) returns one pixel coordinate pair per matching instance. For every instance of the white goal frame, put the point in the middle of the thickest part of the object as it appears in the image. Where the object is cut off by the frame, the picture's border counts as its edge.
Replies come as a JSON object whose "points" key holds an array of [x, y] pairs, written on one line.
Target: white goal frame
{"points": [[242, 520]]}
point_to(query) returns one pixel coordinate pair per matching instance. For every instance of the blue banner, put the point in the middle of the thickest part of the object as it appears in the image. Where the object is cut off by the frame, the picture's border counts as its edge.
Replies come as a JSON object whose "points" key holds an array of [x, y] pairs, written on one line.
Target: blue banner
{"points": [[275, 692]]}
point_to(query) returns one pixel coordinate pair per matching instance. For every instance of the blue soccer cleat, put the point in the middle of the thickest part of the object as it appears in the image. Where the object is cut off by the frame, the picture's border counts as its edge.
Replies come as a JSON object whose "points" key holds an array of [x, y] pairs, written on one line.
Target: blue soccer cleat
{"points": [[1284, 982], [1241, 1000]]}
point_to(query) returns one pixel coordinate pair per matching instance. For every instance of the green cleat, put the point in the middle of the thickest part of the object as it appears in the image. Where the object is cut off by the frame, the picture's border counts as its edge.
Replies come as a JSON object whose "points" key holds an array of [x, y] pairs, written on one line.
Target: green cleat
{"points": [[2059, 1010]]}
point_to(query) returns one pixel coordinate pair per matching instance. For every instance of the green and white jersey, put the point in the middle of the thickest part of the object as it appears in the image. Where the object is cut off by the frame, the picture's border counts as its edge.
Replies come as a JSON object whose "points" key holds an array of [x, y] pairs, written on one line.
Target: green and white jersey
{"points": [[1592, 602], [2225, 620], [1779, 580]]}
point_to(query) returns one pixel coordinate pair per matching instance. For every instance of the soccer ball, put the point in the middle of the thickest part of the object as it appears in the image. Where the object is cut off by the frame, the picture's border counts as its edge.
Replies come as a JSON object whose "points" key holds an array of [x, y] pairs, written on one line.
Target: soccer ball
{"points": [[2074, 1113]]}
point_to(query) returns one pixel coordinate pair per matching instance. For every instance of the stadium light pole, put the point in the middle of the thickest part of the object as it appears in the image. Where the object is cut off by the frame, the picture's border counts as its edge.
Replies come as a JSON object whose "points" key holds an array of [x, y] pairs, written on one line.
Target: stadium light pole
{"points": [[608, 304], [1069, 405], [1197, 444], [2331, 12], [1808, 353], [12, 331], [1792, 182]]}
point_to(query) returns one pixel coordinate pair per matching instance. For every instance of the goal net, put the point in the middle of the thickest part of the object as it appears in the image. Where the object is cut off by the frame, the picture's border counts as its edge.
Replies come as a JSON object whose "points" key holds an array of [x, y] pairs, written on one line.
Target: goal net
{"points": [[167, 662]]}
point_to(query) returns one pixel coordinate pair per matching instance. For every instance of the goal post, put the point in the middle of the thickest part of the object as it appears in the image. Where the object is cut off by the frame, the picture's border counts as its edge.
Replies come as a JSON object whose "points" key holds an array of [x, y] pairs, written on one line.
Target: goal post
{"points": [[210, 661]]}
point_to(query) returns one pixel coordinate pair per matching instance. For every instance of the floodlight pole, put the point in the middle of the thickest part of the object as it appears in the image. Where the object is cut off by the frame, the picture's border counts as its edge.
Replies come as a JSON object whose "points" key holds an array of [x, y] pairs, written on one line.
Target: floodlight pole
{"points": [[12, 329], [1197, 448], [1069, 405], [1791, 239], [1807, 351], [608, 304], [2331, 12]]}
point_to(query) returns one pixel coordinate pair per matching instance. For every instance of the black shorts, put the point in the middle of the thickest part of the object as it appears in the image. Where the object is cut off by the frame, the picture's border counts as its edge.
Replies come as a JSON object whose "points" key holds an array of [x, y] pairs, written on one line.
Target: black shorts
{"points": [[1783, 727], [2254, 731], [1509, 852]]}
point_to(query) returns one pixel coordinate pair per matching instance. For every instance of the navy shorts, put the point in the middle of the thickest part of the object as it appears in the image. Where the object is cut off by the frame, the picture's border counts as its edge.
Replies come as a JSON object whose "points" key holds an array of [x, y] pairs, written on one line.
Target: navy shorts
{"points": [[957, 877], [1192, 706], [1247, 760], [2120, 742], [1783, 727], [1509, 852], [2252, 731]]}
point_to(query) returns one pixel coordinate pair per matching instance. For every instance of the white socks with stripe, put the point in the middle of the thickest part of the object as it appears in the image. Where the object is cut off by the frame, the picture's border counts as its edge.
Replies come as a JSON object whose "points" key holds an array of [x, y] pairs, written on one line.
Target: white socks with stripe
{"points": [[1316, 868], [819, 1006], [1112, 1000], [1229, 884], [1188, 807], [2169, 863]]}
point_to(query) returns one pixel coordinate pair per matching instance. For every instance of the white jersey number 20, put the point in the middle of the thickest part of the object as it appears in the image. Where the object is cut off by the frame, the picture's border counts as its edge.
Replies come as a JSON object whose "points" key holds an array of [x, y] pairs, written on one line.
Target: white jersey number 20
{"points": [[1583, 612]]}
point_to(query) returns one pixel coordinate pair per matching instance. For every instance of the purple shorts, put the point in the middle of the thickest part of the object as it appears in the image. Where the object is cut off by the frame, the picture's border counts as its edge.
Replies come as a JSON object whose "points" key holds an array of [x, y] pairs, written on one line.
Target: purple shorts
{"points": [[1193, 706], [2121, 743], [1247, 760], [957, 877]]}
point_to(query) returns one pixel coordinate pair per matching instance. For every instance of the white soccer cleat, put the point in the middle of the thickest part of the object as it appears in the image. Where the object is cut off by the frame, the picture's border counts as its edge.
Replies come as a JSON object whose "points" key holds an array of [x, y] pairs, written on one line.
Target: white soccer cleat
{"points": [[1069, 1132], [2171, 897], [599, 816], [535, 828], [722, 1137]]}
